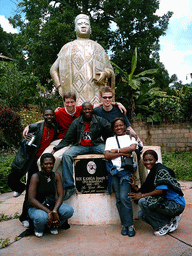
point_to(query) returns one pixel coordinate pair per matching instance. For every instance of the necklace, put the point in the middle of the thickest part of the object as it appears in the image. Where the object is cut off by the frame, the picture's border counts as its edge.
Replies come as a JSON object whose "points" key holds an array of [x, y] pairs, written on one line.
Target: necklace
{"points": [[47, 177]]}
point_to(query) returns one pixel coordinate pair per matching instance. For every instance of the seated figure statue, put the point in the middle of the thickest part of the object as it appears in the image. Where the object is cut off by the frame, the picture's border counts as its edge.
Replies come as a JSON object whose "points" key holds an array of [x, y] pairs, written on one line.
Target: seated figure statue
{"points": [[82, 65]]}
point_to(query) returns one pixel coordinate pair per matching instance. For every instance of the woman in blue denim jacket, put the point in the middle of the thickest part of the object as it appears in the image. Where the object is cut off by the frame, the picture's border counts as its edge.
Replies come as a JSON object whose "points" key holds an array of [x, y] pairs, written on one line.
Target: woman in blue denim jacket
{"points": [[121, 176]]}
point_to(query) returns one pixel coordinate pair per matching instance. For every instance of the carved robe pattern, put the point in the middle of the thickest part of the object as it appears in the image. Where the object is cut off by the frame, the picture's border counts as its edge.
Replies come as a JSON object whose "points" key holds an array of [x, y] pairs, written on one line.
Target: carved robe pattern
{"points": [[79, 61]]}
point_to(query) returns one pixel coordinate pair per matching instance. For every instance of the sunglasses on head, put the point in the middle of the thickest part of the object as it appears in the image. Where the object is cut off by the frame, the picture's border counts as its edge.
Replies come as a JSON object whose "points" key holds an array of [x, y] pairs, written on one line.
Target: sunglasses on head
{"points": [[107, 97]]}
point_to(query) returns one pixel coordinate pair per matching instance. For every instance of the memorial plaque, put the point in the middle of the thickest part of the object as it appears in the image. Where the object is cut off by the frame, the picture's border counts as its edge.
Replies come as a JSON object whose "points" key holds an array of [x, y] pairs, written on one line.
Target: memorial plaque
{"points": [[91, 176]]}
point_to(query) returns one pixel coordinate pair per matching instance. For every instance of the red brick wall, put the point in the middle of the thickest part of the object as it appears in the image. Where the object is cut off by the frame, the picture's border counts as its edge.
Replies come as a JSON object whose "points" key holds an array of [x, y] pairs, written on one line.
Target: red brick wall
{"points": [[170, 137]]}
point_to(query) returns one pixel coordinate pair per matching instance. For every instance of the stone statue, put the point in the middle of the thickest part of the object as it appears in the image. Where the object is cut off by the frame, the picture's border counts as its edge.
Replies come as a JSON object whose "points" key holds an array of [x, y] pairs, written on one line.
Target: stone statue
{"points": [[82, 65]]}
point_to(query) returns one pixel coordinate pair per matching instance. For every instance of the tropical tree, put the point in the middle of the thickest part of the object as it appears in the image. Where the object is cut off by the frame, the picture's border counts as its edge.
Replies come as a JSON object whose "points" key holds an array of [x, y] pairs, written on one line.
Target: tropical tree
{"points": [[17, 88], [137, 24], [48, 25], [137, 91]]}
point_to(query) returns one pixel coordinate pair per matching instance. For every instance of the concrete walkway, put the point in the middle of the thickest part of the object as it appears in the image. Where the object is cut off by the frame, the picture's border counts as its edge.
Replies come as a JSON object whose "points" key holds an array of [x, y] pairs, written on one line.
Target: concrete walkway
{"points": [[97, 240]]}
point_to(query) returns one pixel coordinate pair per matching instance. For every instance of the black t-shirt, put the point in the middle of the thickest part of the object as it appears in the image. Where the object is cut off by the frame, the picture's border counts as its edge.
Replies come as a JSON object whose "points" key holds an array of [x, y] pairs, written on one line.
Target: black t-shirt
{"points": [[46, 187]]}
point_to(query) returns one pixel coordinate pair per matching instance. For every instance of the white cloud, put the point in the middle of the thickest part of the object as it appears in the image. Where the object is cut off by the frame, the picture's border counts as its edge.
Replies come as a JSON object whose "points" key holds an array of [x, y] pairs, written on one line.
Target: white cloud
{"points": [[182, 10], [176, 53], [179, 8], [176, 61], [6, 25]]}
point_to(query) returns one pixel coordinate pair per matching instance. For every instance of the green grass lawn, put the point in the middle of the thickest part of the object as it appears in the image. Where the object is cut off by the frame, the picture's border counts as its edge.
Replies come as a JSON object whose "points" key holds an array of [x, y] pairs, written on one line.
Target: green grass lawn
{"points": [[181, 163]]}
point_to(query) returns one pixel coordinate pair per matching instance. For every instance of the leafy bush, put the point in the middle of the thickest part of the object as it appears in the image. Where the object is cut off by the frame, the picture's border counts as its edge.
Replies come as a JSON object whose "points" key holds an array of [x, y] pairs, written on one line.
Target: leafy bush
{"points": [[17, 88], [5, 168], [10, 123], [48, 98], [166, 108], [186, 106], [181, 163], [30, 115]]}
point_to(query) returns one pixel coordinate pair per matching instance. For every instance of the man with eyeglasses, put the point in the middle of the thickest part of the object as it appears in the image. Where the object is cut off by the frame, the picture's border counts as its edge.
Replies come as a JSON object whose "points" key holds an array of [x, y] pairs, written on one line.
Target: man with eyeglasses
{"points": [[110, 111]]}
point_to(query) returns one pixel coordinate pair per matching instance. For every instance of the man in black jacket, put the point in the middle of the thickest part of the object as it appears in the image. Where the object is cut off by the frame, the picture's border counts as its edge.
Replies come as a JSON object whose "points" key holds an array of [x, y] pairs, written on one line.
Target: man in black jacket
{"points": [[85, 136], [27, 156]]}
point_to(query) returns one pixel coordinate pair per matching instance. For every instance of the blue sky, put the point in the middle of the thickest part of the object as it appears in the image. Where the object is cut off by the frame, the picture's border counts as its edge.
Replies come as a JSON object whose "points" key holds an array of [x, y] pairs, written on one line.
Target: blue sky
{"points": [[176, 45]]}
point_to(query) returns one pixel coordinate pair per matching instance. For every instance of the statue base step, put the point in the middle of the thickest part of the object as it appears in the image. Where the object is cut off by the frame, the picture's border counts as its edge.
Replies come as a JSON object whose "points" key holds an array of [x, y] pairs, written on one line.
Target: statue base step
{"points": [[95, 209], [100, 208]]}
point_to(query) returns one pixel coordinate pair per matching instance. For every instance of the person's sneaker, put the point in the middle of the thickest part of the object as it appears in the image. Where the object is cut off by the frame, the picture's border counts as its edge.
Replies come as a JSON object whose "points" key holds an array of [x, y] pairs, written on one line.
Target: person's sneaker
{"points": [[131, 231], [65, 225], [177, 218], [124, 231], [54, 231], [175, 223], [38, 234], [173, 227], [69, 192], [16, 194], [163, 231], [25, 223]]}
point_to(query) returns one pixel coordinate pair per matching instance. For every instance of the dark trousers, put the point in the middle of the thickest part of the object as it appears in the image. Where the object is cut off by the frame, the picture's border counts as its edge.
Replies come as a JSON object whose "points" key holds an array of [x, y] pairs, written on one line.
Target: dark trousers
{"points": [[16, 185], [14, 180], [33, 169]]}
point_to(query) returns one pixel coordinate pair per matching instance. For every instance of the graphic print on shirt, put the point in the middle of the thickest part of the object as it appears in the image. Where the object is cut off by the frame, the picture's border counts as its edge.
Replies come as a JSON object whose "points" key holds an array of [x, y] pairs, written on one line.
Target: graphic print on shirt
{"points": [[86, 137]]}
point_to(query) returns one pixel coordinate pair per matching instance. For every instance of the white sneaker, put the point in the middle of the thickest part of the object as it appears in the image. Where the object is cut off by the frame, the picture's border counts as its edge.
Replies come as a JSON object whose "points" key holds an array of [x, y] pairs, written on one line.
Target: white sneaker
{"points": [[173, 227], [16, 194], [175, 223], [38, 234], [178, 218], [25, 223], [163, 231], [54, 231]]}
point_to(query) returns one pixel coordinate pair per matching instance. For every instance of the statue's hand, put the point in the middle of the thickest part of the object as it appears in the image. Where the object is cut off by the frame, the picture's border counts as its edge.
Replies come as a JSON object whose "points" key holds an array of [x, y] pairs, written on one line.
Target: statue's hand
{"points": [[60, 91], [102, 76]]}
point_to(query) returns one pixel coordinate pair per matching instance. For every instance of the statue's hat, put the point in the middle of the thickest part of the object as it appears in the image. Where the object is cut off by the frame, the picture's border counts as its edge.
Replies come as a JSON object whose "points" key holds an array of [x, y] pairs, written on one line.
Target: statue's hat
{"points": [[82, 16]]}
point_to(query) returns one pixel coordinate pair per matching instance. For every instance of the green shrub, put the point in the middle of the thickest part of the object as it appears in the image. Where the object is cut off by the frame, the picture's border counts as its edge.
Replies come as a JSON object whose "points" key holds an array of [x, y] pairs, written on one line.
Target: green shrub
{"points": [[46, 98], [6, 160], [186, 106], [30, 115], [10, 124], [166, 108], [5, 168], [17, 87]]}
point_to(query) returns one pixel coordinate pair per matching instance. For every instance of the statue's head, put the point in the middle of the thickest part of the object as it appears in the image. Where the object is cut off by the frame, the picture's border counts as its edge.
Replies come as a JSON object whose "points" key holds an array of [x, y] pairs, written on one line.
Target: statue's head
{"points": [[82, 26]]}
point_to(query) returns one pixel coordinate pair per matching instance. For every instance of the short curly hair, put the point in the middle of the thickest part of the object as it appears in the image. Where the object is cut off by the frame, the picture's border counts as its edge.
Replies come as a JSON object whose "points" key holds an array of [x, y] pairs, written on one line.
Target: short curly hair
{"points": [[151, 152], [46, 155], [117, 119]]}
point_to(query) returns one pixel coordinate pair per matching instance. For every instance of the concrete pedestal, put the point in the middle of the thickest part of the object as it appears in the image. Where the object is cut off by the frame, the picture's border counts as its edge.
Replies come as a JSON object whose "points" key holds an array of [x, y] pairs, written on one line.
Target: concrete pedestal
{"points": [[95, 209], [100, 209]]}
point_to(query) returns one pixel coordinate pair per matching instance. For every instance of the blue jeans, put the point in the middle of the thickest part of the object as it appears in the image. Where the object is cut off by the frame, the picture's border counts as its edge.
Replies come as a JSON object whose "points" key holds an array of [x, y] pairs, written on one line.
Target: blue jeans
{"points": [[123, 203], [162, 215], [40, 217], [68, 156]]}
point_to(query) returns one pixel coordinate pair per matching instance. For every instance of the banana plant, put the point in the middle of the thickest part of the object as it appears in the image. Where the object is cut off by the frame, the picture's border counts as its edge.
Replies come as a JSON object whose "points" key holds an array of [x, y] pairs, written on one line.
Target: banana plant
{"points": [[136, 90]]}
